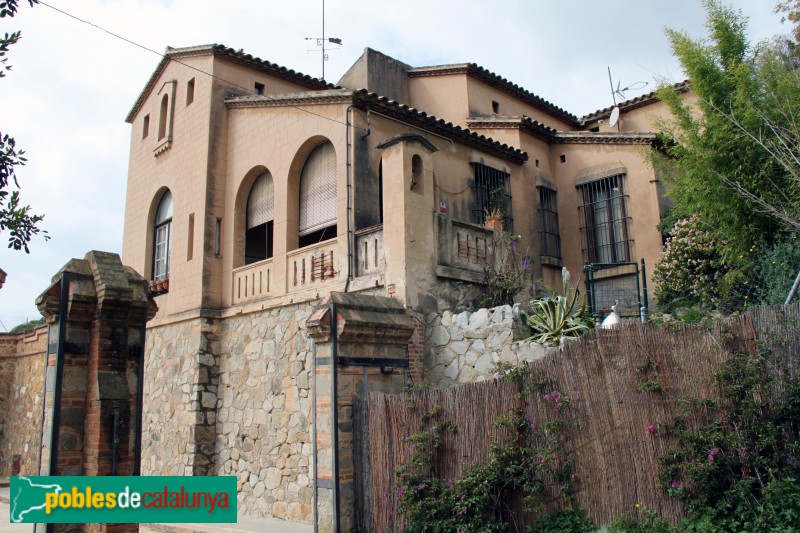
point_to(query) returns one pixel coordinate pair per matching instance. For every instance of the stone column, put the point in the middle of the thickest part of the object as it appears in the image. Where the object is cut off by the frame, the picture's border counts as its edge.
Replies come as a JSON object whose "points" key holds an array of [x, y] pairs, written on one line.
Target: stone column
{"points": [[96, 310], [361, 345]]}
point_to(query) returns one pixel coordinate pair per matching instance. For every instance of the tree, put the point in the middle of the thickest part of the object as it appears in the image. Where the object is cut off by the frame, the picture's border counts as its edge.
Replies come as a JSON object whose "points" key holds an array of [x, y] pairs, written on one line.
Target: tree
{"points": [[16, 218], [727, 151], [27, 326]]}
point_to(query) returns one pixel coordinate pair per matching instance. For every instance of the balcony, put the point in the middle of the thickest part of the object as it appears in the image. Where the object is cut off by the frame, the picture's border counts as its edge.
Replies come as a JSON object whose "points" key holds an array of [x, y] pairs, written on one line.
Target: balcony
{"points": [[465, 250], [313, 266], [253, 281], [369, 251]]}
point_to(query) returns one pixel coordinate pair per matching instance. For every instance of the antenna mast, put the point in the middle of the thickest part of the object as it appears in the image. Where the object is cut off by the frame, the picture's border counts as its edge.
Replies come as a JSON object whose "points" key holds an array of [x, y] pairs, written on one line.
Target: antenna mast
{"points": [[614, 119], [321, 41], [614, 98]]}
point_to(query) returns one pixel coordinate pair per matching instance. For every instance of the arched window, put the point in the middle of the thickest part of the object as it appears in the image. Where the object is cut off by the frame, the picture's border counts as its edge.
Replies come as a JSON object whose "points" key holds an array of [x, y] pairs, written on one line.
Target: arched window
{"points": [[162, 118], [260, 214], [416, 175], [318, 196], [162, 237]]}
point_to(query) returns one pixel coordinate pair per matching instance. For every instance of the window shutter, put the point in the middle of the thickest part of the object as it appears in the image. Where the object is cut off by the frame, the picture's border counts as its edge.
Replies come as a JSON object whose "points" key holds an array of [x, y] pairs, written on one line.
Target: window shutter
{"points": [[318, 190], [261, 202]]}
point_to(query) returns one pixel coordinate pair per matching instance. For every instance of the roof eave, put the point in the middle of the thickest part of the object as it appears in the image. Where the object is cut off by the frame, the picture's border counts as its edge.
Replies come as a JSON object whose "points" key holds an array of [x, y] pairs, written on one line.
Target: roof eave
{"points": [[366, 100], [230, 54], [635, 103]]}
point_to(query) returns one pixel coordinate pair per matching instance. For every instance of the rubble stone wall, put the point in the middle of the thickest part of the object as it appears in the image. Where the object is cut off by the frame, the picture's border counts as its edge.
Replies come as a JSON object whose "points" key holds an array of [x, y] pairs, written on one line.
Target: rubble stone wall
{"points": [[21, 385], [466, 347], [233, 397], [171, 374], [264, 423]]}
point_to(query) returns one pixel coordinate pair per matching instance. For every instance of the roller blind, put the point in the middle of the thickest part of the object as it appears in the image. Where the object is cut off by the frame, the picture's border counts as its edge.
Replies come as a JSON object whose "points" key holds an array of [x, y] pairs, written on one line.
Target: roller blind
{"points": [[318, 190], [261, 202]]}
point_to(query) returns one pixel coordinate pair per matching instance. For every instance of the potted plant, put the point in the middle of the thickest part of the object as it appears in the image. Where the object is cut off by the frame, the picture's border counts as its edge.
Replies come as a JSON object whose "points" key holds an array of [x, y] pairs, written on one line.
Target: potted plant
{"points": [[493, 219]]}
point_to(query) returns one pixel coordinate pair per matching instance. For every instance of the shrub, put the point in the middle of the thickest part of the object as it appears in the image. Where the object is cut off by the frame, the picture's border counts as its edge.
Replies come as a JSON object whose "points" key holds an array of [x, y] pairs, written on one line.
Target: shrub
{"points": [[731, 472], [27, 326], [777, 268], [510, 274], [570, 520], [688, 271]]}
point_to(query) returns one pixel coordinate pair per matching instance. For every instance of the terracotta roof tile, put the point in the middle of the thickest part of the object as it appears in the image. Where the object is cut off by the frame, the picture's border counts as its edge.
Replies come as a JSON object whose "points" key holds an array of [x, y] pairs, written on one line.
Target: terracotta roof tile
{"points": [[630, 105], [230, 54], [499, 82]]}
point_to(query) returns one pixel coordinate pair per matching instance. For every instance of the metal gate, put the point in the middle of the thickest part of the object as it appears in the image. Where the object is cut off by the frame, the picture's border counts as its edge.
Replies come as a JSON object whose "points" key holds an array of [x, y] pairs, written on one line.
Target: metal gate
{"points": [[624, 282]]}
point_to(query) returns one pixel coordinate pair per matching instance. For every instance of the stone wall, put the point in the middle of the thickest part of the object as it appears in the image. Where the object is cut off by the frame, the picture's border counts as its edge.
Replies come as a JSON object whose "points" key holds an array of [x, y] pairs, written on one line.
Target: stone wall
{"points": [[264, 423], [466, 347], [21, 384], [233, 397], [171, 374]]}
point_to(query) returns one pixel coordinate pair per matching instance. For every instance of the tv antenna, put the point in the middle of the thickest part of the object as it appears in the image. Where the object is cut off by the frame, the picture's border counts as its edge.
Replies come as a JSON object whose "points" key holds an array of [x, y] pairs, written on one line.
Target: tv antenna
{"points": [[613, 120], [322, 41]]}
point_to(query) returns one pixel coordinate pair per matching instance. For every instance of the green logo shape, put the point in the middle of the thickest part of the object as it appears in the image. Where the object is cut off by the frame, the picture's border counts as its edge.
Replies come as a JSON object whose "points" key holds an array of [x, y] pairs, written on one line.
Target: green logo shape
{"points": [[122, 499]]}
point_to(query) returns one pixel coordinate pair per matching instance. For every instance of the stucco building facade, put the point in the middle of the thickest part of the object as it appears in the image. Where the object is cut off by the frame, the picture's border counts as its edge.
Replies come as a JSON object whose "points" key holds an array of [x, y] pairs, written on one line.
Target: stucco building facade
{"points": [[254, 191]]}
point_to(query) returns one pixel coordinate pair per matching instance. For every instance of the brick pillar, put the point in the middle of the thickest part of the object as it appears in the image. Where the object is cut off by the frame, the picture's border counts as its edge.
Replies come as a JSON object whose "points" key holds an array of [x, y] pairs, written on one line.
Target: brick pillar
{"points": [[96, 309], [416, 349], [367, 352]]}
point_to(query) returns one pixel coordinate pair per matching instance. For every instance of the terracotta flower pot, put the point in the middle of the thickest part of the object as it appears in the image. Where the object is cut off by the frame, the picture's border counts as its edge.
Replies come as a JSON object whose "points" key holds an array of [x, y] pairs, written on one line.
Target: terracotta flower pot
{"points": [[493, 224]]}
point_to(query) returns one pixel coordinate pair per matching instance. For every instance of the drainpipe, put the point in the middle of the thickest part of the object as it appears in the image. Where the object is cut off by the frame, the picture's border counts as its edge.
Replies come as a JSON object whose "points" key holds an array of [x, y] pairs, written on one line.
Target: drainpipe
{"points": [[348, 166]]}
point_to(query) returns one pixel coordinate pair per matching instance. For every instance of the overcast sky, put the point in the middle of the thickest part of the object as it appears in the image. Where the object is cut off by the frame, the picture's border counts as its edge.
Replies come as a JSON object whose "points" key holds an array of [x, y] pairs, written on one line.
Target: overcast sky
{"points": [[73, 84]]}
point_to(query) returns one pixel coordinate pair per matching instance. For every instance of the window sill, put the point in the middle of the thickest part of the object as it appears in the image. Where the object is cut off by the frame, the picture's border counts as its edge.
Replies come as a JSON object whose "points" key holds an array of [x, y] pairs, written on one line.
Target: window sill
{"points": [[157, 287], [551, 261], [162, 146]]}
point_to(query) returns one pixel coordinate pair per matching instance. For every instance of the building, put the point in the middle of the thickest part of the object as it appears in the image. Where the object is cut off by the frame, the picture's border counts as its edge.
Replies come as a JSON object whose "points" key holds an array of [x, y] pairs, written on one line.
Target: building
{"points": [[254, 190]]}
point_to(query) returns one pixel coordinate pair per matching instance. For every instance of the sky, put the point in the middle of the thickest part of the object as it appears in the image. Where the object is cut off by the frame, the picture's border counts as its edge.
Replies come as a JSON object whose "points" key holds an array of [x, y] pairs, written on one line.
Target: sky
{"points": [[72, 84]]}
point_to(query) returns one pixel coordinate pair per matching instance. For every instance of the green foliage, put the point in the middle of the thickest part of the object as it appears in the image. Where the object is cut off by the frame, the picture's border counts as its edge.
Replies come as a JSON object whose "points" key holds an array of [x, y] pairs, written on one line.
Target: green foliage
{"points": [[27, 326], [477, 501], [555, 317], [570, 520], [15, 217], [668, 220], [777, 267], [688, 271], [510, 274], [722, 161], [642, 521], [730, 472]]}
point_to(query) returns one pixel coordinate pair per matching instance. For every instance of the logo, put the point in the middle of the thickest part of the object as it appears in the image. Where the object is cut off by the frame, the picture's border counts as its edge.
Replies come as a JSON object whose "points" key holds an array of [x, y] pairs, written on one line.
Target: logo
{"points": [[122, 499]]}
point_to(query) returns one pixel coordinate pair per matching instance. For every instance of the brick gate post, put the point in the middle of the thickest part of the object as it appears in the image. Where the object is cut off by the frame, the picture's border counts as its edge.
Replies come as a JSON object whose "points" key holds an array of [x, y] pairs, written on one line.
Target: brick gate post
{"points": [[361, 345], [96, 309]]}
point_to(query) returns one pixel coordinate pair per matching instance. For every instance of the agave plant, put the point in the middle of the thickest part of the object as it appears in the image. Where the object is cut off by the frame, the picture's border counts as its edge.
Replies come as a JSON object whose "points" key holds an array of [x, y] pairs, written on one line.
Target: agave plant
{"points": [[555, 317]]}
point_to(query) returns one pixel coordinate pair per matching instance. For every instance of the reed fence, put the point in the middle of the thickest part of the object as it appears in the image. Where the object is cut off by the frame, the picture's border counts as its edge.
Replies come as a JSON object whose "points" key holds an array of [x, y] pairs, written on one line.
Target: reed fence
{"points": [[618, 381]]}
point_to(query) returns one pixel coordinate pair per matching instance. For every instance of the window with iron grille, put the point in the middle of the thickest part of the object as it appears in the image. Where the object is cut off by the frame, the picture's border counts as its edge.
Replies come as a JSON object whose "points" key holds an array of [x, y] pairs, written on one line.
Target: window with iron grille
{"points": [[492, 190], [604, 221], [549, 235]]}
